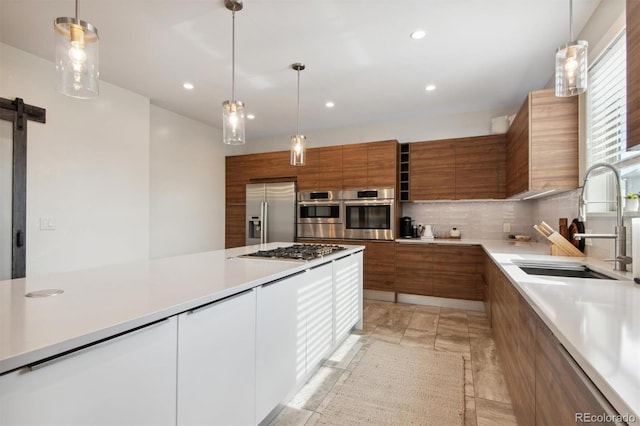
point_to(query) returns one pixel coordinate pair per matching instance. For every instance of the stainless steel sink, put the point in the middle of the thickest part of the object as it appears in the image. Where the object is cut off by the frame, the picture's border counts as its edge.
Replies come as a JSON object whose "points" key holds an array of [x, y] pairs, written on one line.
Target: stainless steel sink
{"points": [[560, 269]]}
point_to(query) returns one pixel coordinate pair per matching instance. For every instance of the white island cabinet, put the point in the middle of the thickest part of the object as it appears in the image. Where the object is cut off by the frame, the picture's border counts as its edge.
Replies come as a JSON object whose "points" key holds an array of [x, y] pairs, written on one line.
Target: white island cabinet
{"points": [[216, 362], [294, 333], [125, 380], [347, 278]]}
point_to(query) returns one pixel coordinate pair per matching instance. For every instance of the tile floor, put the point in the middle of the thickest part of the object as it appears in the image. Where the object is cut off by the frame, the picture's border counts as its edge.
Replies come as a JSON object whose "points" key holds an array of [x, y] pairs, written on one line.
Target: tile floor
{"points": [[442, 329]]}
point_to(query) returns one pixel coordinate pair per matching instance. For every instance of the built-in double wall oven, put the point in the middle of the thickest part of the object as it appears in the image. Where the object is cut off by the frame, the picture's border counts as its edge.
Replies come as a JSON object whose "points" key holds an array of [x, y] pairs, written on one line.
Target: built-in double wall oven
{"points": [[319, 214], [369, 214], [349, 214]]}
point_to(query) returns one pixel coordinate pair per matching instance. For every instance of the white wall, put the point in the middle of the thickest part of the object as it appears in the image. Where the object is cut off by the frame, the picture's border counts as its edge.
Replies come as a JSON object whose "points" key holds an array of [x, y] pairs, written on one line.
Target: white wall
{"points": [[186, 185], [413, 130], [87, 168]]}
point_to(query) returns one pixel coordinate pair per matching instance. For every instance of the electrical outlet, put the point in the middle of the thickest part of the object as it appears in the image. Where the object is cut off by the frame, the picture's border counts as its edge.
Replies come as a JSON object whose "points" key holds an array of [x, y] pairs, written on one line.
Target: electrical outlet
{"points": [[47, 223], [506, 227], [587, 241]]}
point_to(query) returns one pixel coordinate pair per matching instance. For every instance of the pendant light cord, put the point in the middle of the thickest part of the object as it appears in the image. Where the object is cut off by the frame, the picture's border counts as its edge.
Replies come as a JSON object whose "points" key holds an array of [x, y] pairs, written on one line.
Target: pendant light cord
{"points": [[570, 20], [233, 55], [77, 22], [298, 121]]}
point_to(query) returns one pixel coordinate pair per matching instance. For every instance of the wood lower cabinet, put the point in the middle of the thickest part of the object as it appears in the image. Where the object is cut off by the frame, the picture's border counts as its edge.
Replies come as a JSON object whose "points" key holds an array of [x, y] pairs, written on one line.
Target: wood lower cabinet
{"points": [[441, 270], [547, 387], [633, 74], [542, 145], [379, 265]]}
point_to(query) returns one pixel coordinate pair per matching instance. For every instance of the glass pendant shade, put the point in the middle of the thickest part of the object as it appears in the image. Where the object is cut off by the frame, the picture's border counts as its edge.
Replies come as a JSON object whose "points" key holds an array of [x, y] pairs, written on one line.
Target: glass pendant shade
{"points": [[76, 58], [571, 69], [298, 149], [233, 122]]}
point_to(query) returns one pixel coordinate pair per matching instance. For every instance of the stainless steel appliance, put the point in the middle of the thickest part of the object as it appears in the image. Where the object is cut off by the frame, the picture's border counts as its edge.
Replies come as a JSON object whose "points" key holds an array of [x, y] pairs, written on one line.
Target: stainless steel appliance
{"points": [[369, 214], [319, 214], [296, 252], [271, 211]]}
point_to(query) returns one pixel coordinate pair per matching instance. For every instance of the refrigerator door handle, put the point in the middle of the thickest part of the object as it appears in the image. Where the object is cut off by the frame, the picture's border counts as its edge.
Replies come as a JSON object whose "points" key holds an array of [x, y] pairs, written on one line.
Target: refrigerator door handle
{"points": [[265, 223]]}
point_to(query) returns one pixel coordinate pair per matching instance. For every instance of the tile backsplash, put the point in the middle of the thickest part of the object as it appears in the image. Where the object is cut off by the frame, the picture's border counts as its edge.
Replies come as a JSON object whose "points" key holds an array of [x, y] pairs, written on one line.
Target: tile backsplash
{"points": [[485, 219]]}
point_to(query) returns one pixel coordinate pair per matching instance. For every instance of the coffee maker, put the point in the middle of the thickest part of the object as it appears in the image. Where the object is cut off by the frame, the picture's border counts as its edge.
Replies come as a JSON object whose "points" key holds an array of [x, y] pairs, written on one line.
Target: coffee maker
{"points": [[406, 227]]}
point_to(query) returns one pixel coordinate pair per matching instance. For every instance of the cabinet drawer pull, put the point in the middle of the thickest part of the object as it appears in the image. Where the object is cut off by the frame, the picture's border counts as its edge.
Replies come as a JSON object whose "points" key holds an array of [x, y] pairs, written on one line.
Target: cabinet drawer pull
{"points": [[606, 406], [217, 302], [86, 348], [284, 278]]}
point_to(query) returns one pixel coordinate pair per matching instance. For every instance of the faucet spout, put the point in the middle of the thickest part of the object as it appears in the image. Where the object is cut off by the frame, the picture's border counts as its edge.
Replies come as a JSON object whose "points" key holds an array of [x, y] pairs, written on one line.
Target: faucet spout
{"points": [[620, 234]]}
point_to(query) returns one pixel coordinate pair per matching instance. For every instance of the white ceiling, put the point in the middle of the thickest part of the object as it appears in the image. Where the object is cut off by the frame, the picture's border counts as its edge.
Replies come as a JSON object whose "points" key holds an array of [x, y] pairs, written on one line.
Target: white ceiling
{"points": [[481, 54]]}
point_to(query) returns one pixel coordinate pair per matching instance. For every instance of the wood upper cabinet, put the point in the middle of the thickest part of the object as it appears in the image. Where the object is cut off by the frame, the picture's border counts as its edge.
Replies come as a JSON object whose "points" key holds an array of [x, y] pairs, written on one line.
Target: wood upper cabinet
{"points": [[480, 167], [633, 74], [322, 169], [432, 170], [458, 169], [542, 144], [382, 164], [354, 166]]}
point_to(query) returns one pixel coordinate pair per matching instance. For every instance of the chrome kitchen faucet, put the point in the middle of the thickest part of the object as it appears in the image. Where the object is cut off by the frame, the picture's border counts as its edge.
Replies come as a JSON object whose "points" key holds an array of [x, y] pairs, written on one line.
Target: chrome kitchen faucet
{"points": [[620, 234]]}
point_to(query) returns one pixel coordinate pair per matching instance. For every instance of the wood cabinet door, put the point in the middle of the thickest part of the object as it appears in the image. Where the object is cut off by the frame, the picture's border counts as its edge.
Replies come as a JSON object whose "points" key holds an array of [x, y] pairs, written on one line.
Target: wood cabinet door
{"points": [[414, 267], [633, 74], [480, 165], [382, 164], [432, 171], [561, 388], [235, 230], [329, 168], [272, 165], [236, 177], [354, 166], [457, 272], [307, 175], [379, 265], [517, 152]]}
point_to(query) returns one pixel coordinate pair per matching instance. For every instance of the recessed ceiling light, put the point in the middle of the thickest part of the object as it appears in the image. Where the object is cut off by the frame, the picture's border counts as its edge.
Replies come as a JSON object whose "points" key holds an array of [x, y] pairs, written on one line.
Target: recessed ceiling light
{"points": [[251, 116], [188, 86], [329, 104], [418, 34], [430, 88]]}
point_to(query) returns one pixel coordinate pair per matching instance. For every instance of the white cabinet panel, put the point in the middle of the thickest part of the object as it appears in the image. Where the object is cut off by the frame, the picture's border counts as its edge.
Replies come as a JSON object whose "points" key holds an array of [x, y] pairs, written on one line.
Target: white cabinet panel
{"points": [[280, 343], [216, 363], [127, 380], [348, 293], [316, 299]]}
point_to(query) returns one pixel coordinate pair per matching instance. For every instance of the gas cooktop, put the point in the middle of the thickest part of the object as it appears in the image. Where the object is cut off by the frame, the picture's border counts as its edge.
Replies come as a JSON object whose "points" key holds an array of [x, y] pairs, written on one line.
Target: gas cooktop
{"points": [[301, 252]]}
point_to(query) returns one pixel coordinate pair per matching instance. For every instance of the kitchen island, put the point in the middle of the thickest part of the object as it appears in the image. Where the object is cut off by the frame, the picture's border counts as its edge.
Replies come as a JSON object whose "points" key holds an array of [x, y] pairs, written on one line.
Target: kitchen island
{"points": [[597, 321], [155, 342]]}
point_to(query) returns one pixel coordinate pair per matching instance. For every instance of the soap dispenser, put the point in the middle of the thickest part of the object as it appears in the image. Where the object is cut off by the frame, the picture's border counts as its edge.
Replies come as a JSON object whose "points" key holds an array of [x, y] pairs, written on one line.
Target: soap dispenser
{"points": [[454, 233]]}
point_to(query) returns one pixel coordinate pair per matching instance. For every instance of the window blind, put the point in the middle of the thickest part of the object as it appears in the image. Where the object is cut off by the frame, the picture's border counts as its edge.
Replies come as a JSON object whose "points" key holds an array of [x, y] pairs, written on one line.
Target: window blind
{"points": [[607, 105]]}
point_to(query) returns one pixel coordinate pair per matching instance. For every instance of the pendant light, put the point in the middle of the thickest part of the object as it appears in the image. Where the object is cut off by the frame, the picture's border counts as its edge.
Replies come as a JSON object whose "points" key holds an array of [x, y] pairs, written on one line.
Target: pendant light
{"points": [[233, 110], [76, 57], [298, 141], [571, 64]]}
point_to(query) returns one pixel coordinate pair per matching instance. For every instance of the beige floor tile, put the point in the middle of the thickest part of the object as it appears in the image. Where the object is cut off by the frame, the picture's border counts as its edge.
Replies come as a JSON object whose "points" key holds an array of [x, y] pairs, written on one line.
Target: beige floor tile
{"points": [[313, 419], [452, 328], [489, 383], [325, 402], [426, 321], [450, 313], [425, 339], [492, 413], [427, 308], [468, 378], [387, 334], [343, 356], [483, 351], [477, 315], [455, 344], [470, 411], [291, 417]]}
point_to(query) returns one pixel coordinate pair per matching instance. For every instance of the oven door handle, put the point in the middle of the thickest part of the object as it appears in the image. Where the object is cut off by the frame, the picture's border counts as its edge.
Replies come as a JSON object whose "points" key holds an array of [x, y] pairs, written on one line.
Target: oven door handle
{"points": [[348, 203]]}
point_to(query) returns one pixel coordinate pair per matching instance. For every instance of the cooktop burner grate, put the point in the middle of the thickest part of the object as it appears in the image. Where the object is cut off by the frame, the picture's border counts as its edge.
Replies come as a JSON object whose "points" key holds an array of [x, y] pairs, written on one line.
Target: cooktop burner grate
{"points": [[297, 252]]}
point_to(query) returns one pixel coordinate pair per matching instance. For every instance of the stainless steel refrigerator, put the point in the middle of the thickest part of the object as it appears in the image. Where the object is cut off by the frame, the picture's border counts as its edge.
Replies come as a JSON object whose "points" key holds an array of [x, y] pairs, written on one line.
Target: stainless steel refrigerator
{"points": [[271, 212]]}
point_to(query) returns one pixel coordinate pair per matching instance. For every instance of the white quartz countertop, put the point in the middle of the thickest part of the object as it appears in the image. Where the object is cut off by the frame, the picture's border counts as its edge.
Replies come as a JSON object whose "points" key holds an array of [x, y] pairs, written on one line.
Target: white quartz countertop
{"points": [[102, 302], [596, 320]]}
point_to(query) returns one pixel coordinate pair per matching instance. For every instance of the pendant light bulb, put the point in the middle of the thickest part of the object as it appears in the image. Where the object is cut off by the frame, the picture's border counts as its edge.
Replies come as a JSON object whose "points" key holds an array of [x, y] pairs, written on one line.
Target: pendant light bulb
{"points": [[298, 145], [571, 64], [233, 115], [76, 57]]}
